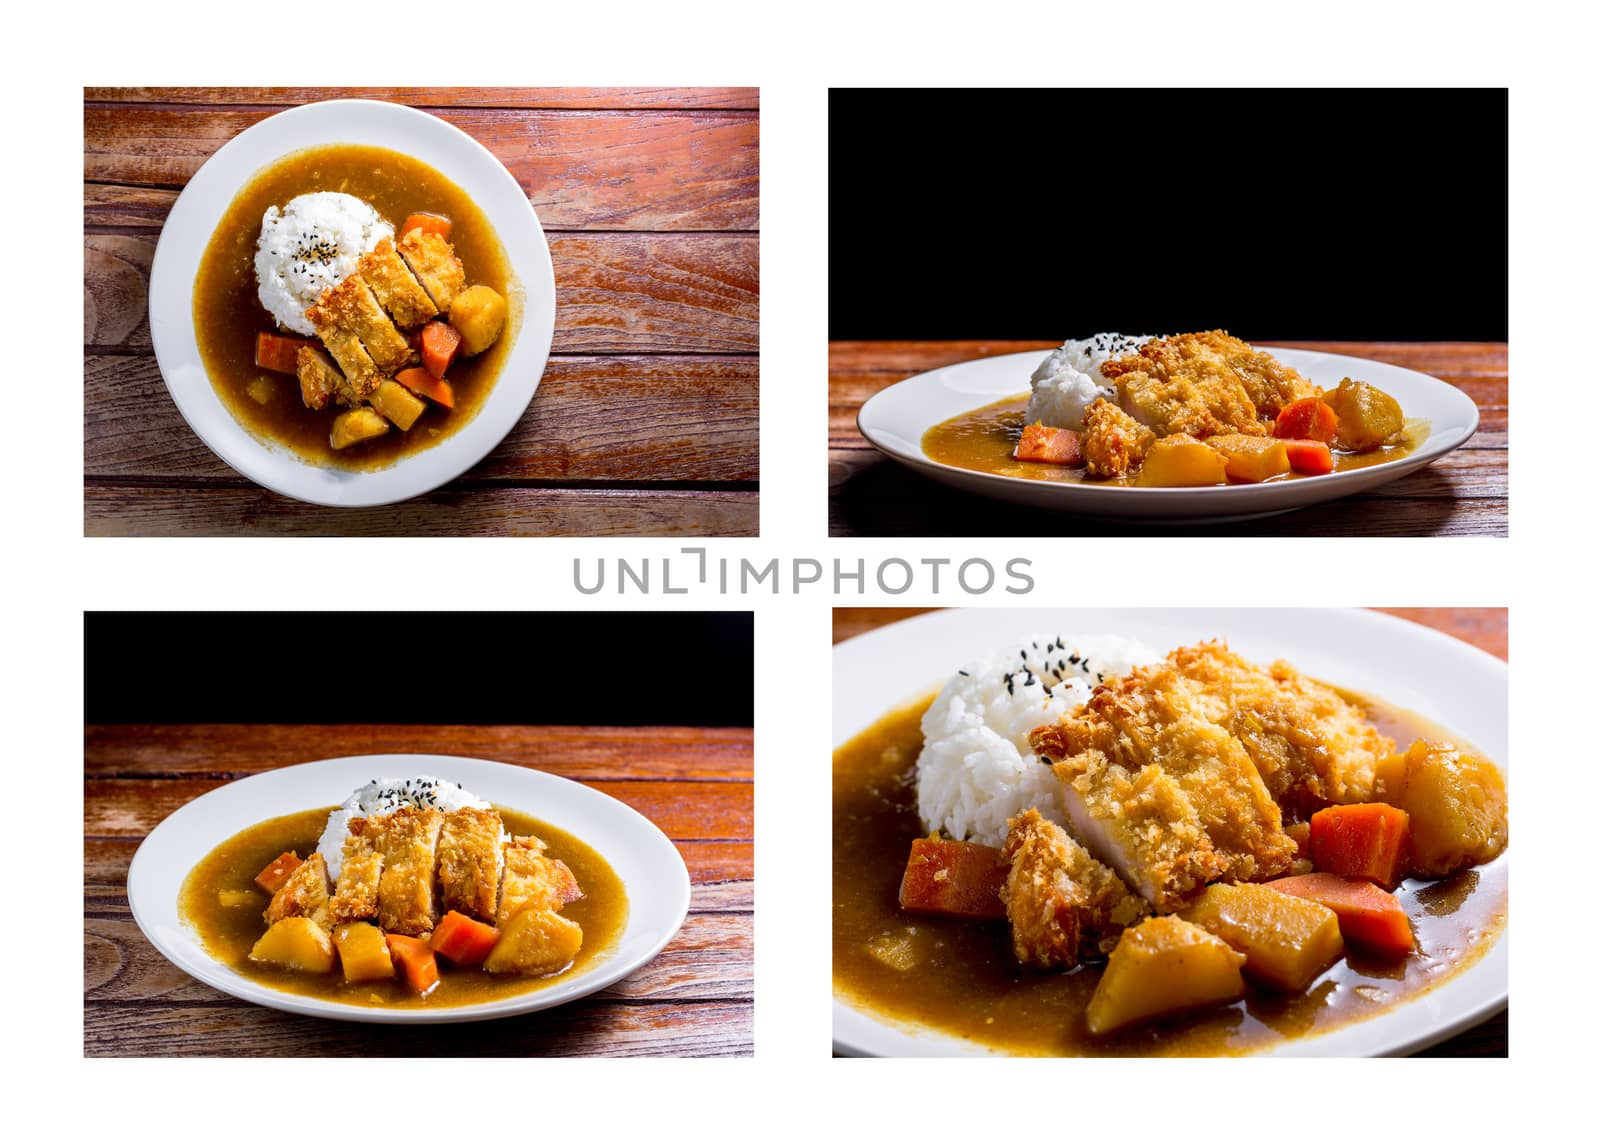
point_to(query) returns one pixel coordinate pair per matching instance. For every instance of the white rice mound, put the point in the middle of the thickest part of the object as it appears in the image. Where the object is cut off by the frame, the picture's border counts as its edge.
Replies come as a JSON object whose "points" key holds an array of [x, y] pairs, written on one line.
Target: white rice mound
{"points": [[385, 795], [1068, 381], [312, 244], [976, 769]]}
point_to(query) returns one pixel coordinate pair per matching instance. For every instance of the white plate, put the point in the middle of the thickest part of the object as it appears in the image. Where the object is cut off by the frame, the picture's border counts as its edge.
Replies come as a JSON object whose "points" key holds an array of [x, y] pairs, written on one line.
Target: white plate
{"points": [[1414, 667], [653, 873], [895, 419], [453, 153]]}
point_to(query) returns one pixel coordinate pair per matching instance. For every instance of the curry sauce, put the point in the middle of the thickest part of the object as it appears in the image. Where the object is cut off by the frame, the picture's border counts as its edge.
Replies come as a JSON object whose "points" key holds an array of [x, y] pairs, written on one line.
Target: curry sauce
{"points": [[228, 932], [967, 983], [228, 313]]}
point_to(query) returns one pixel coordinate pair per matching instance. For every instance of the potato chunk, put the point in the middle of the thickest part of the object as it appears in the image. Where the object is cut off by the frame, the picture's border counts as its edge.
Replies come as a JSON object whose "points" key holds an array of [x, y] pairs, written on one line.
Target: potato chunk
{"points": [[1181, 461], [356, 426], [536, 942], [1457, 804], [1287, 941], [396, 402], [295, 942], [363, 953], [478, 315], [1368, 417], [1164, 965], [1251, 459]]}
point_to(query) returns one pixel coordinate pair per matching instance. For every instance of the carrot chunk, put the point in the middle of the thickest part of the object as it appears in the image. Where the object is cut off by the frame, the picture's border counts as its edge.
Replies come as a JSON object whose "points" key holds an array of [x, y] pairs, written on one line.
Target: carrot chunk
{"points": [[274, 875], [1307, 419], [1370, 841], [428, 223], [417, 960], [464, 940], [1312, 458], [425, 384], [439, 344], [1368, 916], [956, 878], [279, 354], [1049, 446]]}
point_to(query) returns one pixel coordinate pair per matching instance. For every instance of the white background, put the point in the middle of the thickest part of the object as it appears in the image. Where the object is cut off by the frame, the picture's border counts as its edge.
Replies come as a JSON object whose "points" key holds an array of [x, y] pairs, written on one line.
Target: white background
{"points": [[793, 53]]}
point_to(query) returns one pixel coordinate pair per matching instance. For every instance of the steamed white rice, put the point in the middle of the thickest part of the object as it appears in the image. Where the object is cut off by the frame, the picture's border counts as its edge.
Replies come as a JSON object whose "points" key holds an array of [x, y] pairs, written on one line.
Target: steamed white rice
{"points": [[1068, 381], [976, 769], [312, 244], [385, 795]]}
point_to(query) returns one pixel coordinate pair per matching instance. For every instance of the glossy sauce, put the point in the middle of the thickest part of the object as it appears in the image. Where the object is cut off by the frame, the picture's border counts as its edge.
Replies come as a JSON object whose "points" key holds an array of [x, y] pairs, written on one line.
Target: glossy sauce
{"points": [[228, 313], [985, 439], [229, 932], [967, 983]]}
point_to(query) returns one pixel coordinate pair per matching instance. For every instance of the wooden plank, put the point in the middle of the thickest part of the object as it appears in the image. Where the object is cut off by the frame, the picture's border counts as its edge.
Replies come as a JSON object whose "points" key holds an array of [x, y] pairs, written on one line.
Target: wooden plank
{"points": [[457, 510], [131, 807], [594, 418], [593, 1027], [620, 293], [609, 170], [526, 98], [582, 753]]}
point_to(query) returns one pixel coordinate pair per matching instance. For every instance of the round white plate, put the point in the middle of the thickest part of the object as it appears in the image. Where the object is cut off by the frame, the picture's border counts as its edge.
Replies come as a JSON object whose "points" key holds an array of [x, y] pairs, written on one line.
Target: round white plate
{"points": [[895, 419], [1414, 667], [653, 873], [450, 151]]}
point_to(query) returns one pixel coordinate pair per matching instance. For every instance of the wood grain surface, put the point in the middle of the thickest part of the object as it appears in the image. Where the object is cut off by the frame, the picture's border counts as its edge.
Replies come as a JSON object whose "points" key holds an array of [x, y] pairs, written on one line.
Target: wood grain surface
{"points": [[694, 999], [1462, 494], [1484, 627], [646, 420]]}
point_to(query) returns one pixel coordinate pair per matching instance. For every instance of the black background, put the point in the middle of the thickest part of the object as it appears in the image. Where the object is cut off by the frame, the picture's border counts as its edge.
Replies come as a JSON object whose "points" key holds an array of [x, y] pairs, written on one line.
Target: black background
{"points": [[512, 668], [1275, 214]]}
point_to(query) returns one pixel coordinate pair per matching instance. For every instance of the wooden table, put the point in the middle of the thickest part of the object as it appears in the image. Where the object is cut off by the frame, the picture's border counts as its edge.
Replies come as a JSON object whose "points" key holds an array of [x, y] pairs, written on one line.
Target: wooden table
{"points": [[1463, 494], [646, 420], [1483, 627], [694, 999]]}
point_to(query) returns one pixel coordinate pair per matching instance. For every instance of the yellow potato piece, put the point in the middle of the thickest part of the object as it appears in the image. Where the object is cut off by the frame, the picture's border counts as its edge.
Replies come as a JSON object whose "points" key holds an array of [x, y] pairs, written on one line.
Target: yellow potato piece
{"points": [[535, 942], [1457, 804], [478, 315], [1287, 941], [1251, 459], [295, 942], [1180, 461], [363, 953], [1368, 417], [1163, 965], [356, 426], [238, 898], [398, 403]]}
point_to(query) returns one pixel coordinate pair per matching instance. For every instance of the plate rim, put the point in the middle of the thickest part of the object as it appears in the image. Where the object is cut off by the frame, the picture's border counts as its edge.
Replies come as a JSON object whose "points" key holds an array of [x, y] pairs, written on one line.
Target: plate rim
{"points": [[673, 894]]}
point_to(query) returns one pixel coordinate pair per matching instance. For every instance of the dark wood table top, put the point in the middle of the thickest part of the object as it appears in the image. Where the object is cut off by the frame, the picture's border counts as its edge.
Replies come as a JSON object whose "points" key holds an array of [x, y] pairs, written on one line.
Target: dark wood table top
{"points": [[1483, 627], [1462, 494], [646, 420], [694, 999]]}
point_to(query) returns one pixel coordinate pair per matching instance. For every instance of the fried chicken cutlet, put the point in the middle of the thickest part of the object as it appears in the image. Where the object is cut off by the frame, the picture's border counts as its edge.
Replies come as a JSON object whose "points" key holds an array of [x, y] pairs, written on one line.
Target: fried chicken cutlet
{"points": [[1113, 443], [1063, 905], [304, 894], [470, 861], [408, 840], [533, 881], [355, 898]]}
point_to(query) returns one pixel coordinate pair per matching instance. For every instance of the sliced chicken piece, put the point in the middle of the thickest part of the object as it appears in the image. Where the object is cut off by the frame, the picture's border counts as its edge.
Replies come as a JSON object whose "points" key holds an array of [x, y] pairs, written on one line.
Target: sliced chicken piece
{"points": [[396, 287], [359, 372], [533, 881], [470, 862], [305, 894], [320, 379], [408, 842], [352, 308], [434, 262], [360, 873]]}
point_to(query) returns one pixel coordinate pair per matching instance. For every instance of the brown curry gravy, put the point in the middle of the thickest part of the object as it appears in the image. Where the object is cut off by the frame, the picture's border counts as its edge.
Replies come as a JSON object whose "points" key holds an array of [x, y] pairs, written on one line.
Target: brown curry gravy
{"points": [[968, 984], [228, 313], [985, 440], [228, 933]]}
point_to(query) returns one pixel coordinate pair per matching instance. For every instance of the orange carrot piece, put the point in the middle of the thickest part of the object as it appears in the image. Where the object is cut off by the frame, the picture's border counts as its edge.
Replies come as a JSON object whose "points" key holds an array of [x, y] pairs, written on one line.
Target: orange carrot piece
{"points": [[1049, 446], [278, 353], [463, 940], [1307, 419], [417, 959], [428, 223], [1313, 458], [956, 878], [425, 384], [1368, 916], [1371, 841], [439, 344], [274, 875]]}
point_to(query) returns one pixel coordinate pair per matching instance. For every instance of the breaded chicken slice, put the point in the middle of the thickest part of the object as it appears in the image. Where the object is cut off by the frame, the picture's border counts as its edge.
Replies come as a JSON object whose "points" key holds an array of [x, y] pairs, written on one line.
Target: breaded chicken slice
{"points": [[533, 881], [1063, 905], [1113, 443], [355, 898], [433, 260], [304, 894], [1204, 384], [352, 308], [408, 842], [395, 286], [470, 861], [321, 381]]}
